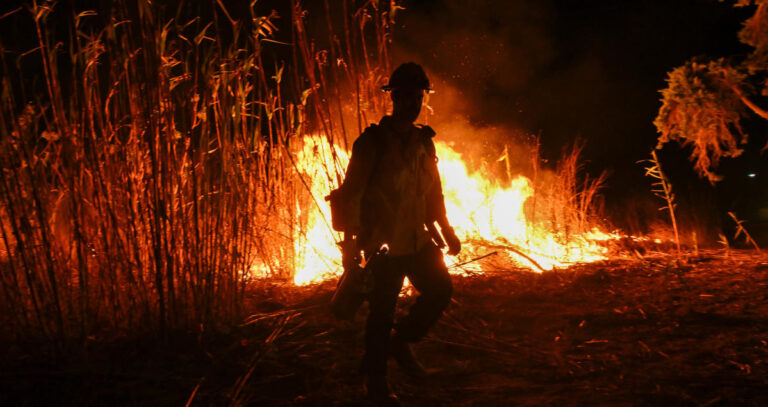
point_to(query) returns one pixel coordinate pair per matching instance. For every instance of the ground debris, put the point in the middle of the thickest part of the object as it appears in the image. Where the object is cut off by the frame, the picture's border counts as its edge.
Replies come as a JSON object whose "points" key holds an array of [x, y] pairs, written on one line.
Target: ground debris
{"points": [[627, 332]]}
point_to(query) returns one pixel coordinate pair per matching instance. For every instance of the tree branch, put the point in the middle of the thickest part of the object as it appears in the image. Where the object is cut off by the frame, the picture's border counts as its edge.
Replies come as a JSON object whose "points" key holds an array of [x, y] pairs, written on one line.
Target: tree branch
{"points": [[755, 108]]}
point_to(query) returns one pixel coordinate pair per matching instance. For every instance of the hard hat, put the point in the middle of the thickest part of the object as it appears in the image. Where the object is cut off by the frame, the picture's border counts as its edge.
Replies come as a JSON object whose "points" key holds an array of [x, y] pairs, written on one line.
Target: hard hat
{"points": [[409, 75]]}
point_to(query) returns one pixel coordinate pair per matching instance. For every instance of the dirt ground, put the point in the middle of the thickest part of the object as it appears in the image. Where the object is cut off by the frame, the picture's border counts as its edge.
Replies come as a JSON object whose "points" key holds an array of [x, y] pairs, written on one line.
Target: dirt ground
{"points": [[615, 333]]}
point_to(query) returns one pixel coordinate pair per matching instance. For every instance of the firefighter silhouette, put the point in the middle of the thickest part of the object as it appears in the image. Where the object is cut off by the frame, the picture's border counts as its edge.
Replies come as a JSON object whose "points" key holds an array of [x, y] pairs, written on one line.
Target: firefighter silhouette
{"points": [[392, 196]]}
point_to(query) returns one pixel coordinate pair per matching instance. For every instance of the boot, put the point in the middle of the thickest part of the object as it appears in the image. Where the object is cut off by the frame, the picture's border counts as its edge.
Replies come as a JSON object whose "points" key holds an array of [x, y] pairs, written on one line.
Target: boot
{"points": [[403, 355], [378, 392]]}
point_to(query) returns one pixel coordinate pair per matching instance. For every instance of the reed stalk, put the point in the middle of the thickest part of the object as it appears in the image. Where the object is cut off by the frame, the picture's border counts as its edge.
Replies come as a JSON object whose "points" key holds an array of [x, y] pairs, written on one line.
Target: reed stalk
{"points": [[663, 189], [742, 230], [147, 184], [564, 202]]}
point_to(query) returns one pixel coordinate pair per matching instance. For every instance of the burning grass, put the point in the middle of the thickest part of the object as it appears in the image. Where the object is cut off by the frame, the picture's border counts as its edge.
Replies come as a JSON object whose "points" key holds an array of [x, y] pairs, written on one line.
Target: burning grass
{"points": [[539, 226], [162, 167], [161, 207]]}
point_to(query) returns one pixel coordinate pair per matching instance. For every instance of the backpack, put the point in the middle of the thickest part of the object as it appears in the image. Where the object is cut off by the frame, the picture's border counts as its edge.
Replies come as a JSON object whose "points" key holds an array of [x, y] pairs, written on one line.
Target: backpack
{"points": [[337, 200]]}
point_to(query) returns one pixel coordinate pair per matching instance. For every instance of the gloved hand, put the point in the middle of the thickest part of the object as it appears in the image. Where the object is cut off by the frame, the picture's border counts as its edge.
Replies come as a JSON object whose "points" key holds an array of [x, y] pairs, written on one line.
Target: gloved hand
{"points": [[350, 254], [454, 245]]}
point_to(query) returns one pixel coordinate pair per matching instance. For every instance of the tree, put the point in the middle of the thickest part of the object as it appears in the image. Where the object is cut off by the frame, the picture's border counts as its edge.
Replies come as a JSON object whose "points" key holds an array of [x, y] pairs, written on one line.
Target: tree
{"points": [[705, 101]]}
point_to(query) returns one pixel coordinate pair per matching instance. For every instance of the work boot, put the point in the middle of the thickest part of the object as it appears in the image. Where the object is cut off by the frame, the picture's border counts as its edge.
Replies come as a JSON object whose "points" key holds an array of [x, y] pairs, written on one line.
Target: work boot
{"points": [[403, 355], [378, 392]]}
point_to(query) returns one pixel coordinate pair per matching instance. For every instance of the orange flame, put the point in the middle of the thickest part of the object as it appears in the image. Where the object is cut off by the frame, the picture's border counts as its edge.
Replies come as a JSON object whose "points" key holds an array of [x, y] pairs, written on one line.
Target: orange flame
{"points": [[484, 214], [317, 255], [484, 211]]}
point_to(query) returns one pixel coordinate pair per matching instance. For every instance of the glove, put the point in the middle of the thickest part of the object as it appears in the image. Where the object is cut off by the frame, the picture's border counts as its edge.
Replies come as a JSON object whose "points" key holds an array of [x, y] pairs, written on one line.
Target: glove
{"points": [[454, 245], [350, 254]]}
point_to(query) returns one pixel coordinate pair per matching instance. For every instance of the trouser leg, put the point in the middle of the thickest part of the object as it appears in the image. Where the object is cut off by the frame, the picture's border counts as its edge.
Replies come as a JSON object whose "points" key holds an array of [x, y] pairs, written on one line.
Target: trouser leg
{"points": [[430, 277], [388, 280]]}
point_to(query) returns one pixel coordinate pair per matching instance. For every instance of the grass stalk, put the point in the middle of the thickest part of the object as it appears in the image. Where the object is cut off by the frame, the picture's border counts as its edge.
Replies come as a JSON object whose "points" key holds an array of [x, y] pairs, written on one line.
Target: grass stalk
{"points": [[741, 230], [663, 189], [148, 182]]}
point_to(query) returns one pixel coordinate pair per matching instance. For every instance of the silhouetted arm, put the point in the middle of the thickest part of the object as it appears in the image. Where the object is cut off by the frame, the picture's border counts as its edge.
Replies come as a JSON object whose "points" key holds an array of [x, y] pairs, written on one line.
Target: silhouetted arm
{"points": [[436, 204]]}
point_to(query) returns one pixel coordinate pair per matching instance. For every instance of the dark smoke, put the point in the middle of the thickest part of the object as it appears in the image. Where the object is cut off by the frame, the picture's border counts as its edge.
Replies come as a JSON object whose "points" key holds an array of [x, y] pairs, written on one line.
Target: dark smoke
{"points": [[569, 69]]}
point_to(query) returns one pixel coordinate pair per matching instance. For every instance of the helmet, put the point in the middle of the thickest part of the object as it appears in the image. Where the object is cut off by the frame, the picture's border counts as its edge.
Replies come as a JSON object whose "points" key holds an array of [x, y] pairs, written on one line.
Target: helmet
{"points": [[408, 75]]}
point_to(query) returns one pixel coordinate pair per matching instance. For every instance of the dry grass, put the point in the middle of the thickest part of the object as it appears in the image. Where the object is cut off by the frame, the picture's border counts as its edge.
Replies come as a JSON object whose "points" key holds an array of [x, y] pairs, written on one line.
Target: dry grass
{"points": [[662, 188], [630, 332], [152, 174], [566, 202], [152, 178]]}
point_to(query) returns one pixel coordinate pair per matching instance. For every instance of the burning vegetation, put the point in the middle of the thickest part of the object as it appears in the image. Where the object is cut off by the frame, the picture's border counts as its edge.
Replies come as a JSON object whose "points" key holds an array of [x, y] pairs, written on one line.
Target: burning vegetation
{"points": [[491, 216], [164, 169], [157, 171]]}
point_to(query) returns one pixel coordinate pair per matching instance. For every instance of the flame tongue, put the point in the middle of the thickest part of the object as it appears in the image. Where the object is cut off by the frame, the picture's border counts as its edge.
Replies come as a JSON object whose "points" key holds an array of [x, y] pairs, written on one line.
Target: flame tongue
{"points": [[484, 214]]}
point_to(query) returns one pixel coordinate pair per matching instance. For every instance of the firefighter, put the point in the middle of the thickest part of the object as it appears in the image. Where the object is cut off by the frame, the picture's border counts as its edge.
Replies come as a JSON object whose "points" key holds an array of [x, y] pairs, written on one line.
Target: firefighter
{"points": [[393, 197]]}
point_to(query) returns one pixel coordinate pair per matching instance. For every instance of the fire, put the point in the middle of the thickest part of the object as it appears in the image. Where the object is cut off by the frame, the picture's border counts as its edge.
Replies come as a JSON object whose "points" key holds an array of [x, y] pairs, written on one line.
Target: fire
{"points": [[317, 255], [485, 214], [482, 210]]}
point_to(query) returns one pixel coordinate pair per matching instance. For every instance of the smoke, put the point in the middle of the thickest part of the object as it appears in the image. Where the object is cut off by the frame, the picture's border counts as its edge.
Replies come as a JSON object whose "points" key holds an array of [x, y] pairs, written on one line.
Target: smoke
{"points": [[502, 69], [481, 61], [589, 69], [489, 54], [566, 70]]}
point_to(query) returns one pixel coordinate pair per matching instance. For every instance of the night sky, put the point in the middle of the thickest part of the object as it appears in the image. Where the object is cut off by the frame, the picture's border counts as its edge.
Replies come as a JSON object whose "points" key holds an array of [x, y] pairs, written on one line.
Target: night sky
{"points": [[591, 70]]}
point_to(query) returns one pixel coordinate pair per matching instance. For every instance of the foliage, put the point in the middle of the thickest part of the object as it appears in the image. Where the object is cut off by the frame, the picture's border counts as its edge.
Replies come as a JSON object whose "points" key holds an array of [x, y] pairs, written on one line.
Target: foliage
{"points": [[705, 101], [755, 34], [701, 109]]}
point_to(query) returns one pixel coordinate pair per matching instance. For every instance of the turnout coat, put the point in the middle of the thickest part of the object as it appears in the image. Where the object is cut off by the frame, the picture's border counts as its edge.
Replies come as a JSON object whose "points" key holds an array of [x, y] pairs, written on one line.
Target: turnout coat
{"points": [[392, 188]]}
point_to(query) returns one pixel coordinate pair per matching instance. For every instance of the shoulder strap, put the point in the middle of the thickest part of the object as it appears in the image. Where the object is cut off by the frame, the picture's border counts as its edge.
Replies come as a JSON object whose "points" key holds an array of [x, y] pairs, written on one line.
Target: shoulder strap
{"points": [[427, 133], [378, 140]]}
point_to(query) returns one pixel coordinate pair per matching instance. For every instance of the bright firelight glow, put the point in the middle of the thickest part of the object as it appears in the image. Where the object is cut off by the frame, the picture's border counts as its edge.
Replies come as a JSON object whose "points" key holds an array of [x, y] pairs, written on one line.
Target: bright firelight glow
{"points": [[484, 212], [317, 255], [486, 216]]}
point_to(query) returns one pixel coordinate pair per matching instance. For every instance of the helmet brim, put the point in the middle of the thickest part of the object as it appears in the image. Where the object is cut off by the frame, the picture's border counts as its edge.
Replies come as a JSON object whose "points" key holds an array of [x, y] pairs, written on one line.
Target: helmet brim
{"points": [[388, 88]]}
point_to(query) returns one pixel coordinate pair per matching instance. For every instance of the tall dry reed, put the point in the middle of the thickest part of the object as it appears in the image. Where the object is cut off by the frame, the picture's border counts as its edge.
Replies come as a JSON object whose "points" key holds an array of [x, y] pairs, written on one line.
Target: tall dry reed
{"points": [[153, 178], [566, 202]]}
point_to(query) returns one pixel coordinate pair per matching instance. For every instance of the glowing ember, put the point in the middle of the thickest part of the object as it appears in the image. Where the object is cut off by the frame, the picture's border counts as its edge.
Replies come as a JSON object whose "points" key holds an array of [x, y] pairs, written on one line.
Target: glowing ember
{"points": [[485, 214]]}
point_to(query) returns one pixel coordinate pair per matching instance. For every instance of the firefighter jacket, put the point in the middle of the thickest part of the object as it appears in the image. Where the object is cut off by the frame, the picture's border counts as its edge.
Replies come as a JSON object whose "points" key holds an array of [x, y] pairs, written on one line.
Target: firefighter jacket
{"points": [[392, 187]]}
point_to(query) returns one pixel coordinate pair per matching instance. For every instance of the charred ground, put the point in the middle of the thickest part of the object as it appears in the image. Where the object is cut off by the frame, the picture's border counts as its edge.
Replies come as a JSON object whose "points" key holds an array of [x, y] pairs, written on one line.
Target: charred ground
{"points": [[629, 332]]}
